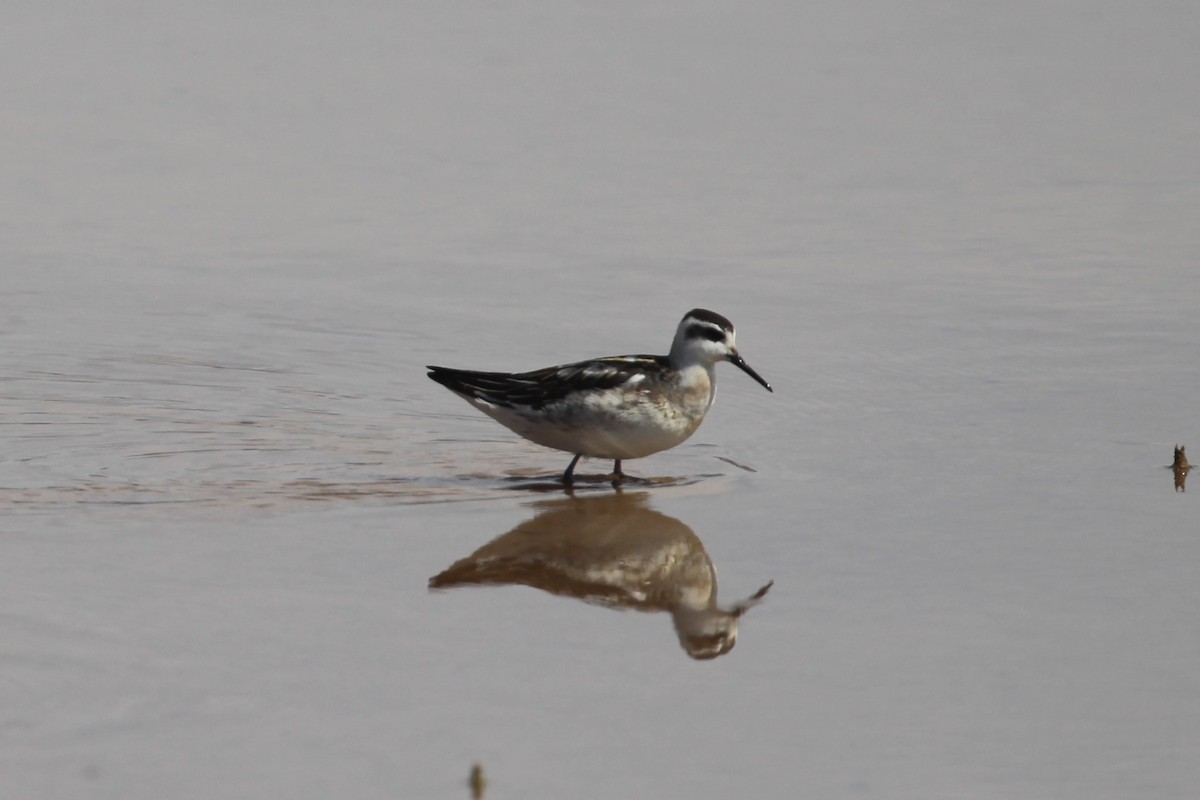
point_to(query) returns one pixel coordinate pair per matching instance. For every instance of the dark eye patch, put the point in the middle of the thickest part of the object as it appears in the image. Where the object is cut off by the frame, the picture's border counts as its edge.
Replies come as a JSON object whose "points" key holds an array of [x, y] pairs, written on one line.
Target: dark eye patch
{"points": [[701, 331]]}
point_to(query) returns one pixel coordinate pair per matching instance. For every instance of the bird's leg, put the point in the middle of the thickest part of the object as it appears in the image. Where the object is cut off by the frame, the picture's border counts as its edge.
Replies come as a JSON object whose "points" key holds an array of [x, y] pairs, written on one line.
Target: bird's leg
{"points": [[618, 476], [567, 476]]}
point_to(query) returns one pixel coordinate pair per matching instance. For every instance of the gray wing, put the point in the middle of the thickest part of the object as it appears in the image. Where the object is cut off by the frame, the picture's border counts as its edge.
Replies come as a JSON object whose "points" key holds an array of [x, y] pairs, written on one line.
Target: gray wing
{"points": [[544, 386]]}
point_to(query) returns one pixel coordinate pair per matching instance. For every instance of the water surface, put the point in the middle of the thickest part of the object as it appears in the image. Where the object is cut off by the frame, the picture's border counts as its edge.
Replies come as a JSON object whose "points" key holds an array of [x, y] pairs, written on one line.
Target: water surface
{"points": [[960, 244]]}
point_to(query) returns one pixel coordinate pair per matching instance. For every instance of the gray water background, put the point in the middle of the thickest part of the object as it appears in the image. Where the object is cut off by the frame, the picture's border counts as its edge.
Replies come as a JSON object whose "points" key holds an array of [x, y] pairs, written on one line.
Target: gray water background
{"points": [[960, 240]]}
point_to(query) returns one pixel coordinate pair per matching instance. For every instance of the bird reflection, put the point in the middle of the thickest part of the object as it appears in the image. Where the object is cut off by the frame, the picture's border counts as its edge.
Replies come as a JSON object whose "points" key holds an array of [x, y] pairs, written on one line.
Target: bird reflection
{"points": [[614, 551], [1181, 468]]}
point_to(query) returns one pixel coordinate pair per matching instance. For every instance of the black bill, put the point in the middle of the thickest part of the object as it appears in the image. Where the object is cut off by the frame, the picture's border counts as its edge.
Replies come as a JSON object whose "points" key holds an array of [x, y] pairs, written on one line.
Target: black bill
{"points": [[736, 359]]}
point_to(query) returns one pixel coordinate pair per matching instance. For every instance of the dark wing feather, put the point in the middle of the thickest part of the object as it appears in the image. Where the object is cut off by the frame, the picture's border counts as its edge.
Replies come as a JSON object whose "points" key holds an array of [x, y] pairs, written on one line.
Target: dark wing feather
{"points": [[543, 386]]}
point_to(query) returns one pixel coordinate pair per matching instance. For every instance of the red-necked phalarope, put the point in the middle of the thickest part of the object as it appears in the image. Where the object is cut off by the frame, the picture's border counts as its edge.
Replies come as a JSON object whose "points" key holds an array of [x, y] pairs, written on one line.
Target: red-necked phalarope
{"points": [[617, 407]]}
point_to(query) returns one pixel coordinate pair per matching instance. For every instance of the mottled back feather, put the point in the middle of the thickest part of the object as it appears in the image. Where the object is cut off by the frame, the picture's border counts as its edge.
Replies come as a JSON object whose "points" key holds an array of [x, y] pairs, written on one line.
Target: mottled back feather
{"points": [[541, 387]]}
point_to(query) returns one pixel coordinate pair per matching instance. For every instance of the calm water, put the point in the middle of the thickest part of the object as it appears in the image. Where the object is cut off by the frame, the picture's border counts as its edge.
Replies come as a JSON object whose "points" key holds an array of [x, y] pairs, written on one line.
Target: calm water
{"points": [[960, 243]]}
